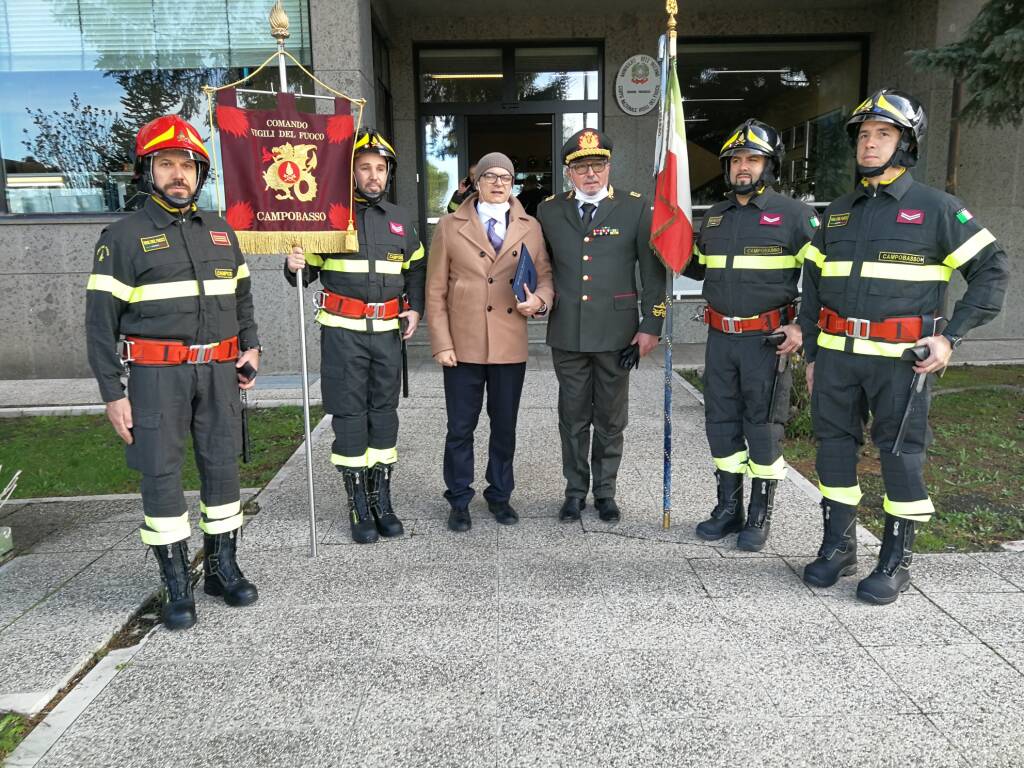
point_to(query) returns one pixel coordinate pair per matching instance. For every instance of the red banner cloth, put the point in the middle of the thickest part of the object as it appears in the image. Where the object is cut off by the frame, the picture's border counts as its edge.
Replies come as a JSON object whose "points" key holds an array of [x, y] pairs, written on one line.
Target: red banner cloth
{"points": [[287, 176]]}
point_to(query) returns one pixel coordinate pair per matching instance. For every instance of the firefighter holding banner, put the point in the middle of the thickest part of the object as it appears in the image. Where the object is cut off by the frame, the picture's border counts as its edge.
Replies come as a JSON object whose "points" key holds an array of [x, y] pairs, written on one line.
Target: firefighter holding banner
{"points": [[874, 279], [746, 254], [370, 302], [169, 299]]}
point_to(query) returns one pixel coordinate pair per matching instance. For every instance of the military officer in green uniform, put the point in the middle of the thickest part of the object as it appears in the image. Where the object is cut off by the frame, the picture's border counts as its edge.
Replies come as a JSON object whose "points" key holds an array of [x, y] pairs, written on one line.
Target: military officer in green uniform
{"points": [[597, 236]]}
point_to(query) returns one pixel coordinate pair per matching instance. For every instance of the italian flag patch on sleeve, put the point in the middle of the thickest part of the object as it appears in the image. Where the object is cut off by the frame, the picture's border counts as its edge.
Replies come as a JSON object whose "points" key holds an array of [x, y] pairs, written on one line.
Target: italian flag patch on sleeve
{"points": [[963, 216], [814, 222]]}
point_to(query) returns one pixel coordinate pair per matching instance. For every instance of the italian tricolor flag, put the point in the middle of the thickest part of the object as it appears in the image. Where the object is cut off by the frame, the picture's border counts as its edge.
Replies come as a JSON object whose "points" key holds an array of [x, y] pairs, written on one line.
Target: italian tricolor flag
{"points": [[672, 228]]}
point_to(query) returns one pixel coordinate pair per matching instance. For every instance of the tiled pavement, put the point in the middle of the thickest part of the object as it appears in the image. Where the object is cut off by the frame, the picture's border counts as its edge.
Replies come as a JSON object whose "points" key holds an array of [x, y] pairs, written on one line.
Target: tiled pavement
{"points": [[540, 644]]}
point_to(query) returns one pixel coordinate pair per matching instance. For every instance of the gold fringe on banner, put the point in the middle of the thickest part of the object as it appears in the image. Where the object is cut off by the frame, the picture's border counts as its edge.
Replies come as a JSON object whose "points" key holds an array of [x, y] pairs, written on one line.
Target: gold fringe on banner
{"points": [[329, 241]]}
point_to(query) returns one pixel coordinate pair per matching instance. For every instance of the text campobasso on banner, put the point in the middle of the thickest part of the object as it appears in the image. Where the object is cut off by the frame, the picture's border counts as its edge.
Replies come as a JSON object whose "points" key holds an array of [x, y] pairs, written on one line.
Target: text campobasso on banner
{"points": [[287, 176]]}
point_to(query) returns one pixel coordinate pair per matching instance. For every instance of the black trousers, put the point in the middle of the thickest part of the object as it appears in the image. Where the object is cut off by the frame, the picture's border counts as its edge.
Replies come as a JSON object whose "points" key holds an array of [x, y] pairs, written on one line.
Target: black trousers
{"points": [[847, 387], [362, 379], [593, 392], [738, 374], [464, 387], [169, 402]]}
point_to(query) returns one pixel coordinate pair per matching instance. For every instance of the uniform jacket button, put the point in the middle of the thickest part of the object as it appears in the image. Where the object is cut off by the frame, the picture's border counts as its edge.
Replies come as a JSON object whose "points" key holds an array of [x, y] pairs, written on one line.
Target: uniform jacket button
{"points": [[482, 254], [509, 310], [488, 307], [490, 279], [586, 297], [515, 254], [586, 277], [586, 239]]}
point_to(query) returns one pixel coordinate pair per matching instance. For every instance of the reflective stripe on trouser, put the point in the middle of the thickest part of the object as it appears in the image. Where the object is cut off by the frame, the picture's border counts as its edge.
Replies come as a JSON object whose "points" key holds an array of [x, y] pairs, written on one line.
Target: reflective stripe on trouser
{"points": [[220, 519], [165, 530], [167, 404], [738, 376], [593, 392], [847, 387], [361, 379]]}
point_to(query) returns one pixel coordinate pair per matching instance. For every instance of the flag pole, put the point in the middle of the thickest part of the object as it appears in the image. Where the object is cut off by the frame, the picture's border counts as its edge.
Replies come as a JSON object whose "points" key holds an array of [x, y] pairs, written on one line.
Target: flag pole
{"points": [[669, 60], [279, 30]]}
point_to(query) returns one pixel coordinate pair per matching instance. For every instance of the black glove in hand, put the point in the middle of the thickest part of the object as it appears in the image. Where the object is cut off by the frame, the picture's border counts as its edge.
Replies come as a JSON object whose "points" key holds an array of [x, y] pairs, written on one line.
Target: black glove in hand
{"points": [[630, 357]]}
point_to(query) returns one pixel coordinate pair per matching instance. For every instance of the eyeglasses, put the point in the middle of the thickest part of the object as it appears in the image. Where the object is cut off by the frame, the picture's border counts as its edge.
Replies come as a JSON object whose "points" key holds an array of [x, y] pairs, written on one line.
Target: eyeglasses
{"points": [[496, 178], [595, 166]]}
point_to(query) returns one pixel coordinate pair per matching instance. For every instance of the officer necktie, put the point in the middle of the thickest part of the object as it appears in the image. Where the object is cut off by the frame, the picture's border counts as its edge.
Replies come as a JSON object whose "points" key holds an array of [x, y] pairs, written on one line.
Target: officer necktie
{"points": [[588, 213], [494, 237]]}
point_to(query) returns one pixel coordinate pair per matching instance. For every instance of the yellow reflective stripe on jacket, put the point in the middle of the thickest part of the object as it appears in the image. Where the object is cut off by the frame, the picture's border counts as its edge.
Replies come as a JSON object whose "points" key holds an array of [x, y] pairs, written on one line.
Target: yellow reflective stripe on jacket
{"points": [[157, 291], [735, 464], [354, 323], [381, 456], [110, 284], [969, 249], [909, 272], [348, 461], [714, 262], [221, 287], [389, 267], [221, 511], [698, 254], [346, 265], [774, 471], [836, 268], [418, 254], [810, 252], [243, 271], [764, 262], [920, 511], [850, 495], [314, 260], [863, 346]]}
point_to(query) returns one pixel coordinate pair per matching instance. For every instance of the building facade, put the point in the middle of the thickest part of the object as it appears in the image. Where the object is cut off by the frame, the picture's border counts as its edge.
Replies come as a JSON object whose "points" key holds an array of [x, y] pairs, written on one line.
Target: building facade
{"points": [[449, 81]]}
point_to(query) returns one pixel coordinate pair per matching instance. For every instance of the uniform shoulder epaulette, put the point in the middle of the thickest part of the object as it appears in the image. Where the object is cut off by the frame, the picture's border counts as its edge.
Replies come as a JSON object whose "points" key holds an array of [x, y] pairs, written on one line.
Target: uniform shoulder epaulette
{"points": [[549, 197], [635, 194]]}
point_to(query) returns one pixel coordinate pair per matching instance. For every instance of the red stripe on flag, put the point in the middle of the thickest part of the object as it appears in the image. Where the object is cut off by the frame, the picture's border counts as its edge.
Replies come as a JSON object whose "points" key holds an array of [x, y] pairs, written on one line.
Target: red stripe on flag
{"points": [[671, 231]]}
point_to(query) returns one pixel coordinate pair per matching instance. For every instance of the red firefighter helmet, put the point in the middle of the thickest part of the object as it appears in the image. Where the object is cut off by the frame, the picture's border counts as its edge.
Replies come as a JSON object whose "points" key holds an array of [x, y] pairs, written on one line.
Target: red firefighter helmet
{"points": [[169, 132]]}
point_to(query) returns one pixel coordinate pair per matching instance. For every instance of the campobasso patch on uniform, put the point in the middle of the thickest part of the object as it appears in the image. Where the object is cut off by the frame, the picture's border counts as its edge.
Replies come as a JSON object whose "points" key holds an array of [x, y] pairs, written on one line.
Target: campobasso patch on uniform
{"points": [[395, 257], [154, 243], [894, 257], [762, 250], [838, 220], [712, 221], [226, 273]]}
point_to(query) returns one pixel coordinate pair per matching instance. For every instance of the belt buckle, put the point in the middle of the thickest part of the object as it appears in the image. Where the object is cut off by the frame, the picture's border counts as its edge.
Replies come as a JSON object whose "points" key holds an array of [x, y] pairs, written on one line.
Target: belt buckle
{"points": [[731, 325], [318, 299], [374, 310], [124, 350], [857, 328], [203, 353]]}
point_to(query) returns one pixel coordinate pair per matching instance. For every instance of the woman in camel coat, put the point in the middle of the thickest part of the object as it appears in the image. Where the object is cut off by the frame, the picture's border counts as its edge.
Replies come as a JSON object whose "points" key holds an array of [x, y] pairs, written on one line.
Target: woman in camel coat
{"points": [[478, 330]]}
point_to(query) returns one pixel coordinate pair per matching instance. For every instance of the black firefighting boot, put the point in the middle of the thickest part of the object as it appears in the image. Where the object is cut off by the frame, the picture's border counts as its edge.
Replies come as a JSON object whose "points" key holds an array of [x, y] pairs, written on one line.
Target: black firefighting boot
{"points": [[378, 488], [759, 515], [179, 607], [364, 531], [892, 574], [727, 516], [221, 575], [837, 555]]}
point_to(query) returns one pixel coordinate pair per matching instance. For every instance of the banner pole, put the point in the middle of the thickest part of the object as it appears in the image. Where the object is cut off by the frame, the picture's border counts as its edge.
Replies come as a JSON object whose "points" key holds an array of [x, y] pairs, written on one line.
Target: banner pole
{"points": [[279, 30]]}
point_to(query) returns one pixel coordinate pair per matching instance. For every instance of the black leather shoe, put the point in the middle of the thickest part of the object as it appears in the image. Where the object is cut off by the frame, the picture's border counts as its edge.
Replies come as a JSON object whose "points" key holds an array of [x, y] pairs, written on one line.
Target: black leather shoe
{"points": [[607, 510], [459, 520], [571, 509], [503, 512]]}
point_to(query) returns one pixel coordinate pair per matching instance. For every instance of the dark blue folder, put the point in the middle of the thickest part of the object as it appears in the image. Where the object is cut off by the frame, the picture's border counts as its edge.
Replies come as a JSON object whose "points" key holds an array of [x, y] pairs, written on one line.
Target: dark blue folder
{"points": [[526, 275]]}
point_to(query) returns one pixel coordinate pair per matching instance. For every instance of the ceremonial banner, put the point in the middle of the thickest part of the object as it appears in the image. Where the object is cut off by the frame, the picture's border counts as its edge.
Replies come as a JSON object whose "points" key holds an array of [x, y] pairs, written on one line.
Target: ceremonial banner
{"points": [[287, 176], [672, 228]]}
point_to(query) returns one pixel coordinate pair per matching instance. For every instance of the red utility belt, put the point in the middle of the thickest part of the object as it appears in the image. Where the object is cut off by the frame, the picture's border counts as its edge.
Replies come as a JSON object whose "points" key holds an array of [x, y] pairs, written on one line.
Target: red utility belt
{"points": [[157, 352], [357, 309], [895, 330], [766, 321]]}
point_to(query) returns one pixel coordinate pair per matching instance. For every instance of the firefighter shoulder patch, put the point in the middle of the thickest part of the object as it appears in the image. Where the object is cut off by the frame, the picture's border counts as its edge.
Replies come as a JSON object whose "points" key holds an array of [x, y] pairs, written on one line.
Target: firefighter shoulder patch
{"points": [[154, 243], [102, 252], [963, 216]]}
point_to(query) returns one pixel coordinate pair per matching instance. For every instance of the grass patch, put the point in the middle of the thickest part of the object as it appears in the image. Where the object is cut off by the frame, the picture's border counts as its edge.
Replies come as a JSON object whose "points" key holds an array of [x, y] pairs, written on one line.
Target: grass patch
{"points": [[81, 455], [974, 465], [13, 728]]}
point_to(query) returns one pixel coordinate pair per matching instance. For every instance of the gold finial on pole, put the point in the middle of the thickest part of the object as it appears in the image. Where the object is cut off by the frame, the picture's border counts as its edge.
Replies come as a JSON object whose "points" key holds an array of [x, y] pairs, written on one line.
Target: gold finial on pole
{"points": [[279, 23], [671, 8]]}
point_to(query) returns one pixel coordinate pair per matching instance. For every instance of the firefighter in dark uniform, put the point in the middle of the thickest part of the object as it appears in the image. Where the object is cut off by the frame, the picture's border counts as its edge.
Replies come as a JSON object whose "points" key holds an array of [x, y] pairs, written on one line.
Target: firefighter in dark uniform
{"points": [[875, 276], [370, 302], [746, 254], [597, 236], [169, 298]]}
